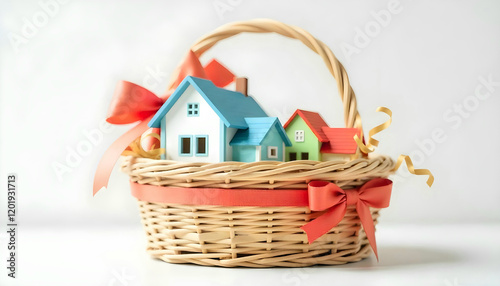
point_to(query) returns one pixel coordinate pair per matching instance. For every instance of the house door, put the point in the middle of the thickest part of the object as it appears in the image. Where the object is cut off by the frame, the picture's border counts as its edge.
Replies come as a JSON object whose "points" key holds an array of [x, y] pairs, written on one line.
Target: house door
{"points": [[304, 156], [293, 156]]}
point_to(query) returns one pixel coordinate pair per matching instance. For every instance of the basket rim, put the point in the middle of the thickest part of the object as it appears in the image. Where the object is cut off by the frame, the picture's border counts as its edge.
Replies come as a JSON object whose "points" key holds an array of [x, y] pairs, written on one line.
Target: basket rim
{"points": [[374, 157], [256, 175]]}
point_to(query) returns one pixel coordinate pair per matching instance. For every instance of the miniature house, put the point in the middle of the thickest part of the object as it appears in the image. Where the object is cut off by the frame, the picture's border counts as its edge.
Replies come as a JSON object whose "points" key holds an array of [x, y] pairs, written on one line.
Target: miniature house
{"points": [[204, 123], [264, 139], [312, 139]]}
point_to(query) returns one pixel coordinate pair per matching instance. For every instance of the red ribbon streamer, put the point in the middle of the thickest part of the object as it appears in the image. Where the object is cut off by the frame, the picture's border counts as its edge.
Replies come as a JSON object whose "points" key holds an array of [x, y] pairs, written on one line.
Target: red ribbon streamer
{"points": [[319, 196], [132, 103]]}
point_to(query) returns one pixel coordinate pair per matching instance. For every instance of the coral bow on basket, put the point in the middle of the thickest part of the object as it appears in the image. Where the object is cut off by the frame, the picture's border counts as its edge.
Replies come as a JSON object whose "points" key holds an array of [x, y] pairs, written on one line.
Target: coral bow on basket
{"points": [[328, 196], [132, 103]]}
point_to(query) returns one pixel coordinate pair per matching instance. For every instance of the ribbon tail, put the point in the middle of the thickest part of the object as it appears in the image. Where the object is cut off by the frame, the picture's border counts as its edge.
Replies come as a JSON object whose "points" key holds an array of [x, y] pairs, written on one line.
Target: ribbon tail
{"points": [[114, 151], [324, 223], [367, 221]]}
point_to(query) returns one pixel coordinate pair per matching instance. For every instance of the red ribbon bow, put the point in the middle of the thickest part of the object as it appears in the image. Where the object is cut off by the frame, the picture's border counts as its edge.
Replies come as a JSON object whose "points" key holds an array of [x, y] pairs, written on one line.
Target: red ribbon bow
{"points": [[133, 103], [328, 196]]}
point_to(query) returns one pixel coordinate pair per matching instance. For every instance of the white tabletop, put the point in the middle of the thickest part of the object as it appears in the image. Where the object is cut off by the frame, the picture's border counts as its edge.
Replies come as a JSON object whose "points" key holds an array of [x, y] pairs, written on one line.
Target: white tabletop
{"points": [[447, 255]]}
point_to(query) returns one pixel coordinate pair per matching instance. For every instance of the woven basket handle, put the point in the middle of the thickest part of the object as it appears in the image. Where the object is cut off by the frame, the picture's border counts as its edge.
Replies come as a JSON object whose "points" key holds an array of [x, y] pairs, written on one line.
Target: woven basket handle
{"points": [[351, 115]]}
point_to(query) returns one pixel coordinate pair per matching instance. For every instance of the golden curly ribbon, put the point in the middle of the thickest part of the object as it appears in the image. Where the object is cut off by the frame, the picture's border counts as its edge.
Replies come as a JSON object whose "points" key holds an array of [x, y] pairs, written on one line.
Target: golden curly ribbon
{"points": [[412, 170], [371, 141], [136, 149], [374, 143]]}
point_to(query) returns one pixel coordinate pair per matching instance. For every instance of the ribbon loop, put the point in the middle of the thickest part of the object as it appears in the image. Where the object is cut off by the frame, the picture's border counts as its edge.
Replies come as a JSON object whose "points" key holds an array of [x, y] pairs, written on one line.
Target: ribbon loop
{"points": [[132, 103], [322, 195]]}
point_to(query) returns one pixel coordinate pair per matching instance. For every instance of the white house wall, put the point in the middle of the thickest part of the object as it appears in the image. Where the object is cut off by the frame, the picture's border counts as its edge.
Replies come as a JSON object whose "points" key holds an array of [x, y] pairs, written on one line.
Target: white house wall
{"points": [[229, 150], [178, 123]]}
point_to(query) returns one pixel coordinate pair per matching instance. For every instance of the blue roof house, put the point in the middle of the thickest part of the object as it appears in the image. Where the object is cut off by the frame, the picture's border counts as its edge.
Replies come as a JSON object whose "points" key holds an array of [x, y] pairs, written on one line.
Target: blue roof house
{"points": [[264, 139], [203, 123]]}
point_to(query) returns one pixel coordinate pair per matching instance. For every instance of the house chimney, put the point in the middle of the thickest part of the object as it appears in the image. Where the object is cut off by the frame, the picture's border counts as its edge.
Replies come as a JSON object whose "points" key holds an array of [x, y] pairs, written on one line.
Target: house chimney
{"points": [[242, 85]]}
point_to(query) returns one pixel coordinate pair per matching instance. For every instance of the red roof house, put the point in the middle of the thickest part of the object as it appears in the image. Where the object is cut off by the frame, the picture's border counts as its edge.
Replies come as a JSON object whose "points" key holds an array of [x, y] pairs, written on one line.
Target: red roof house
{"points": [[313, 139]]}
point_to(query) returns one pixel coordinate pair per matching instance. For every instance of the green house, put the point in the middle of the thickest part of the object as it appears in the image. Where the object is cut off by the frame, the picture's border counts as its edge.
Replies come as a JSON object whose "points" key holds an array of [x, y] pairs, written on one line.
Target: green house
{"points": [[312, 139]]}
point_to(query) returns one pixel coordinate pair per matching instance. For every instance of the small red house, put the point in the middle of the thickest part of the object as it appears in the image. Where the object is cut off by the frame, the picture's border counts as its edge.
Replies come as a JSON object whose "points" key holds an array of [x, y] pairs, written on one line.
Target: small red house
{"points": [[313, 139]]}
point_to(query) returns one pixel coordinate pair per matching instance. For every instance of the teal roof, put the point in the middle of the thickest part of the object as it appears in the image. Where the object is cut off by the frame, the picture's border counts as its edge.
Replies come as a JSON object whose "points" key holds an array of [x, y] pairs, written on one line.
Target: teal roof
{"points": [[231, 106], [258, 128]]}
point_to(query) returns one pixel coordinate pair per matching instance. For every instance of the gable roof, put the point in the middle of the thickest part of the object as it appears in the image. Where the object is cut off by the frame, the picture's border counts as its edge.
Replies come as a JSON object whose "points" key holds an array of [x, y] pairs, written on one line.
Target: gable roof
{"points": [[313, 120], [258, 128], [231, 106], [341, 140]]}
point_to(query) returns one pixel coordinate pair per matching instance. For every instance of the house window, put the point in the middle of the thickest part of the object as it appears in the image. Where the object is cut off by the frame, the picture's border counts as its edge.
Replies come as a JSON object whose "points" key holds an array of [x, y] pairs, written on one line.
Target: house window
{"points": [[272, 152], [201, 142], [193, 109], [293, 156], [185, 145], [304, 156], [299, 135]]}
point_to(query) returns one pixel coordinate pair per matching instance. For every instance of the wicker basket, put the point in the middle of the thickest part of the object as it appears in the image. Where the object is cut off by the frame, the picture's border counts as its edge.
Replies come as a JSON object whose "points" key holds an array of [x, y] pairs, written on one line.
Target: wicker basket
{"points": [[256, 236]]}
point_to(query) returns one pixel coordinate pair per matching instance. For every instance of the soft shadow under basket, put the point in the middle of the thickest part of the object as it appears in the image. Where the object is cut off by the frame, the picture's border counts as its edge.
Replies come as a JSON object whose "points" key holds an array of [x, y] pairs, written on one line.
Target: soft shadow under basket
{"points": [[251, 236]]}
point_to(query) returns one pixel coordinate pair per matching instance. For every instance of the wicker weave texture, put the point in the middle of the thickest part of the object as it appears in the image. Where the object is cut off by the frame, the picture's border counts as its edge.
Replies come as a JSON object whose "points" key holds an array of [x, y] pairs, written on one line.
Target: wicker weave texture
{"points": [[257, 175], [248, 236]]}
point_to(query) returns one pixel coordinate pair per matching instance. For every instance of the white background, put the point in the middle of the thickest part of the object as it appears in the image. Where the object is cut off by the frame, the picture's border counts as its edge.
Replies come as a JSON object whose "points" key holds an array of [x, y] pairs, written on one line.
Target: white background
{"points": [[60, 64]]}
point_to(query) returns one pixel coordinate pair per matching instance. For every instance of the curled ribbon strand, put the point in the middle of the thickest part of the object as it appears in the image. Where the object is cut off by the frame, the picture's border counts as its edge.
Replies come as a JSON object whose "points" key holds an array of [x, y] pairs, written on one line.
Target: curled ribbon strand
{"points": [[372, 141], [137, 150], [412, 170]]}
